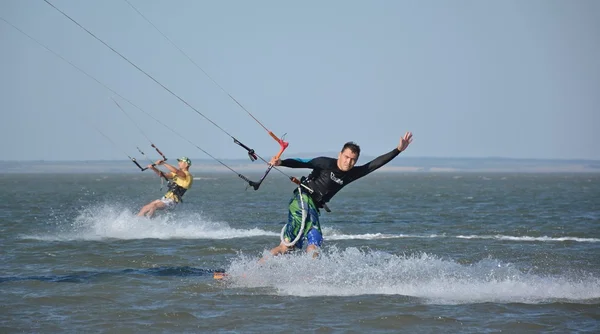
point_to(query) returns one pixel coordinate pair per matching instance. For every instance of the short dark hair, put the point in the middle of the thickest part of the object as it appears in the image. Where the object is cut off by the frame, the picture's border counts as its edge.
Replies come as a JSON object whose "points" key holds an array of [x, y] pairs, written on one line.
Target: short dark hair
{"points": [[352, 146]]}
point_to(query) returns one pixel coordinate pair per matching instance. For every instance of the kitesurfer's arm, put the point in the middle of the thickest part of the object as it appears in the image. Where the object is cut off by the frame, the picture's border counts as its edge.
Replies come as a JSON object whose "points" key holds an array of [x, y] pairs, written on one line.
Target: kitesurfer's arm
{"points": [[158, 171], [173, 169], [376, 163], [319, 162], [385, 158]]}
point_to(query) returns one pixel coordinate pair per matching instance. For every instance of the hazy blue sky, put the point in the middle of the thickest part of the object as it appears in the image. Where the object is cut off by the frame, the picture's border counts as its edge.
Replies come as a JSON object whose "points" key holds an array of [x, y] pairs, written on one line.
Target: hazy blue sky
{"points": [[517, 79]]}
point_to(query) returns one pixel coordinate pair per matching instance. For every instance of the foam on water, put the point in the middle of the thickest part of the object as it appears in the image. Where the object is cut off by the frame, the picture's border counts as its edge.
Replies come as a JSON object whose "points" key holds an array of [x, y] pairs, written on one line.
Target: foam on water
{"points": [[333, 234], [527, 238], [367, 236], [353, 272], [110, 221]]}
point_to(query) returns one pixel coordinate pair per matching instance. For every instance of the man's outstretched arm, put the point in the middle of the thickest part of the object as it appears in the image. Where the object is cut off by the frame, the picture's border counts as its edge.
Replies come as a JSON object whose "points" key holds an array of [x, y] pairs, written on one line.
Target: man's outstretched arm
{"points": [[385, 158], [300, 163]]}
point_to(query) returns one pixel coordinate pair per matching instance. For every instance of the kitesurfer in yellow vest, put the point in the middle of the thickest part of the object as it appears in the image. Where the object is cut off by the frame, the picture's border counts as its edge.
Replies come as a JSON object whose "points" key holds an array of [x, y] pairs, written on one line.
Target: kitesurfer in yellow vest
{"points": [[180, 180]]}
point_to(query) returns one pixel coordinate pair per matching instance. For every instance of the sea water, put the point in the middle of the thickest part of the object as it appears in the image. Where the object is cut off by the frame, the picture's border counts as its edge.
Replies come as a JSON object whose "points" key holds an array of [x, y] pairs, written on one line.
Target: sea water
{"points": [[403, 252]]}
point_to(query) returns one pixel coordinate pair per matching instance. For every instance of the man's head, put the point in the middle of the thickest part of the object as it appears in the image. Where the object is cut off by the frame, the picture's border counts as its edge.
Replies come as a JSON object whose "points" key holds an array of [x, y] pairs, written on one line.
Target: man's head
{"points": [[348, 156], [184, 162]]}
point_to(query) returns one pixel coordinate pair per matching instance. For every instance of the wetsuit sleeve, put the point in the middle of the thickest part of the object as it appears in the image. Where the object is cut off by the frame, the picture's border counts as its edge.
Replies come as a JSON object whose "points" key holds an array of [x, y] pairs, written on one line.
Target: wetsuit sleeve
{"points": [[375, 163], [320, 162]]}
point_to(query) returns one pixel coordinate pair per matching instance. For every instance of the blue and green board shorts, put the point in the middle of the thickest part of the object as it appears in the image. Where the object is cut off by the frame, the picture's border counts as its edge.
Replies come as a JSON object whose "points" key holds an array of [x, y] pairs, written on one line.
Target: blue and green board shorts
{"points": [[312, 228]]}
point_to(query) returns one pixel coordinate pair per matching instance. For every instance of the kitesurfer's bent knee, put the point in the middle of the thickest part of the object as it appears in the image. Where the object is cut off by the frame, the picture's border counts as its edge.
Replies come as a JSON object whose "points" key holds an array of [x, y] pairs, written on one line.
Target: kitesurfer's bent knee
{"points": [[281, 249], [315, 241]]}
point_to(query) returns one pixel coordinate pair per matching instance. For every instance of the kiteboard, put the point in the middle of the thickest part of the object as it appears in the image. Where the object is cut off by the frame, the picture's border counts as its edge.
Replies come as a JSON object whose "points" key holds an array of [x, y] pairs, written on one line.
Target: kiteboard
{"points": [[219, 275]]}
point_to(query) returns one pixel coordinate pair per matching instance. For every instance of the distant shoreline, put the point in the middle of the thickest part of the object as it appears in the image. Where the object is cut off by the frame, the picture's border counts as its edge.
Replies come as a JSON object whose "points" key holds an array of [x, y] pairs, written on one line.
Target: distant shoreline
{"points": [[404, 165]]}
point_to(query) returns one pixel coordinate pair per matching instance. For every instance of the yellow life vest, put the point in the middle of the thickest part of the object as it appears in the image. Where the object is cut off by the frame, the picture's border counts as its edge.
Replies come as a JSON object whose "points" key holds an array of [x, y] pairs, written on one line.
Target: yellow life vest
{"points": [[179, 185]]}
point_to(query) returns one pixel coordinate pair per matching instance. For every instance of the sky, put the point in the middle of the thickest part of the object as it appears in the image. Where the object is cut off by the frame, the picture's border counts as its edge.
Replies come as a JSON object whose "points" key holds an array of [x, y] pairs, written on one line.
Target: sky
{"points": [[514, 79]]}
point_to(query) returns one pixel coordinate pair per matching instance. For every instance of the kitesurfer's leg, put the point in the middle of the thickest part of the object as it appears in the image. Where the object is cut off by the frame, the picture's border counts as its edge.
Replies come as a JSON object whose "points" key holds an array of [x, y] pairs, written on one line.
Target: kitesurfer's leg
{"points": [[149, 209], [281, 249], [315, 240]]}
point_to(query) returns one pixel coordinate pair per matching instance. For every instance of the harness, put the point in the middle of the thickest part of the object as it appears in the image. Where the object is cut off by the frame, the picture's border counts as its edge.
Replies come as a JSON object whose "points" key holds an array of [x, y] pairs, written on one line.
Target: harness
{"points": [[176, 190], [317, 198]]}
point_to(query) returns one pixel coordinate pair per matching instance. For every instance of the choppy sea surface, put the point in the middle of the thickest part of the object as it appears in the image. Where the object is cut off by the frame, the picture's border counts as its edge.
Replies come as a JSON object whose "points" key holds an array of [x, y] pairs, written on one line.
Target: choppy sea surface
{"points": [[403, 252]]}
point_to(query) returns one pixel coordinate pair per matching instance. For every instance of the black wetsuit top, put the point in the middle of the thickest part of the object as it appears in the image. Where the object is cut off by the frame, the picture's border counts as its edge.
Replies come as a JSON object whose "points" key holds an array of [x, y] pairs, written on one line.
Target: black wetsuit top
{"points": [[327, 179]]}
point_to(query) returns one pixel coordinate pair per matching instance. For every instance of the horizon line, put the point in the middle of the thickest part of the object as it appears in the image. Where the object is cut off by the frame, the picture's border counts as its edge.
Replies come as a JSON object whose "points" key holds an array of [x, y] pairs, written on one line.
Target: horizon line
{"points": [[317, 155]]}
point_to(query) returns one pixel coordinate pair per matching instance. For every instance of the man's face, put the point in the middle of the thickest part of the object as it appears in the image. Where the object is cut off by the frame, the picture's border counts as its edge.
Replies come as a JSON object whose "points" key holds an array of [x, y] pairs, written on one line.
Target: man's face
{"points": [[346, 160]]}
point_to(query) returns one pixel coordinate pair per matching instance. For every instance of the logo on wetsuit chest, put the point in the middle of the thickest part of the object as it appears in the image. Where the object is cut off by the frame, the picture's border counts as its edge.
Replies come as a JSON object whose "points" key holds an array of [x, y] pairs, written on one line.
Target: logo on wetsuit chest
{"points": [[335, 179]]}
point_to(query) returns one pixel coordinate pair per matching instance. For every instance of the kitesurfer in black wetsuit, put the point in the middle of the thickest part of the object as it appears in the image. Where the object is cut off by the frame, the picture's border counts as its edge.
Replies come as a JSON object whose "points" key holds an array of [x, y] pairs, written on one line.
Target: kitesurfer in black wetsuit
{"points": [[328, 176]]}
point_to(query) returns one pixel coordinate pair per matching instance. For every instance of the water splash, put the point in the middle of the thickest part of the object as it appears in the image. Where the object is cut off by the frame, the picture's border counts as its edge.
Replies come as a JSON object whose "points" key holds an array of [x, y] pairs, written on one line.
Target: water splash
{"points": [[113, 222], [528, 238], [353, 272]]}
